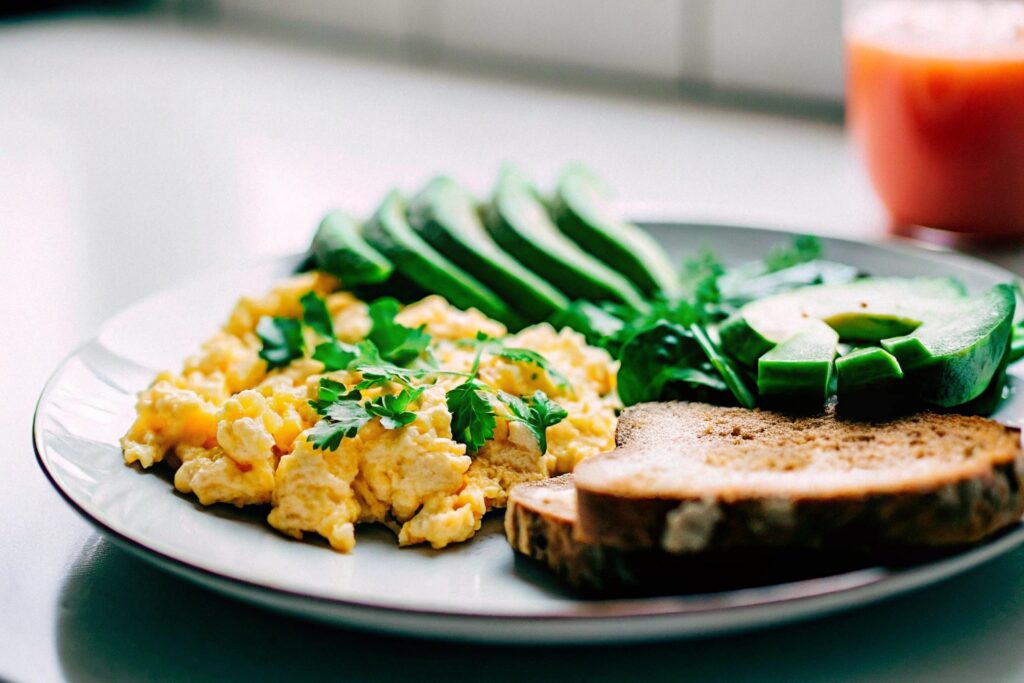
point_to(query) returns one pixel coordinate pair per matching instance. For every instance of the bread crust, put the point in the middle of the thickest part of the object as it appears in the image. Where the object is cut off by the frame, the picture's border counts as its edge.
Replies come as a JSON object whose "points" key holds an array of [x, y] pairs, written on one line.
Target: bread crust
{"points": [[616, 540], [960, 504]]}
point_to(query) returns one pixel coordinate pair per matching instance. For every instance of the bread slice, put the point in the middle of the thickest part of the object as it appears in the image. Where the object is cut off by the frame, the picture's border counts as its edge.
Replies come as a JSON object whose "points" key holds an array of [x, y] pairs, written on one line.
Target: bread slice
{"points": [[691, 478]]}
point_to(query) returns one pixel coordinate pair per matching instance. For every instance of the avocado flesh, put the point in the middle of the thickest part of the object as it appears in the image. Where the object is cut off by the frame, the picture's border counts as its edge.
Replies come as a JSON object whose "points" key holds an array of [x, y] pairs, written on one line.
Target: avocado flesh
{"points": [[445, 215], [583, 211], [340, 249], [389, 232], [948, 346], [799, 368], [867, 376], [519, 223], [953, 359], [864, 310]]}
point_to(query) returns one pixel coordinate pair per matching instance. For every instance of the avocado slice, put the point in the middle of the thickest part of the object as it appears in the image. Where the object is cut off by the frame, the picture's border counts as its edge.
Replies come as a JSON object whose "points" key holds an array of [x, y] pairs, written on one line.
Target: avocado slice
{"points": [[951, 359], [389, 232], [340, 249], [947, 345], [518, 221], [868, 378], [445, 215], [869, 309], [582, 210], [800, 368]]}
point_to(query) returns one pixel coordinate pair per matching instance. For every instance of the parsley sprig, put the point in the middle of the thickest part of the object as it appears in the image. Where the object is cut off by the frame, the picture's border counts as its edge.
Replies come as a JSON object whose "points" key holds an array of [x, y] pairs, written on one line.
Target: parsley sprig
{"points": [[383, 359], [343, 413], [474, 418]]}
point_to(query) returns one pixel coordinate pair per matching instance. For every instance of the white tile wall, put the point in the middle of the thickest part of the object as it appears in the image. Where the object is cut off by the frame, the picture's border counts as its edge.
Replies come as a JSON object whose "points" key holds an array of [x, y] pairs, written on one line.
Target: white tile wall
{"points": [[784, 46], [645, 37]]}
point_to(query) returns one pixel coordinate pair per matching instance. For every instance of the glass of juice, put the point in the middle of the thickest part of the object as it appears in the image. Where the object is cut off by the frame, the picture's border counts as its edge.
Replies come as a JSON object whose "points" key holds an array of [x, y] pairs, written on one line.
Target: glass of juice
{"points": [[935, 100]]}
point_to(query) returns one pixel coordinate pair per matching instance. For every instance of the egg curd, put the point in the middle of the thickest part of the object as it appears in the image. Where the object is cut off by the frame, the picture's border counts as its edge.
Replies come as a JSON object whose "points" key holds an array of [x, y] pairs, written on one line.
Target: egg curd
{"points": [[236, 433]]}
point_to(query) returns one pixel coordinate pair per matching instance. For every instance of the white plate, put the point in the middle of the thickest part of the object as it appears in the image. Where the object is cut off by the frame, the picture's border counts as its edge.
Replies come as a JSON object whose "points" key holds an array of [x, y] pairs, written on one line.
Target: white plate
{"points": [[475, 591]]}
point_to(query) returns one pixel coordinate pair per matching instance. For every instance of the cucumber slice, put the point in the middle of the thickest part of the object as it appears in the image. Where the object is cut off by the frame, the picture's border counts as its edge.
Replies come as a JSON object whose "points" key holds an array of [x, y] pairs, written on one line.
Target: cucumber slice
{"points": [[340, 249], [389, 232], [519, 223], [445, 215], [583, 211]]}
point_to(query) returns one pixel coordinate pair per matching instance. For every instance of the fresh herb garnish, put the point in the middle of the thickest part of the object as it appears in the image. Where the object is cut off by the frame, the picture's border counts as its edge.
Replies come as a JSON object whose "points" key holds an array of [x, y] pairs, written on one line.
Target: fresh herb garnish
{"points": [[392, 410], [803, 249], [343, 415], [396, 343], [341, 419], [473, 418], [538, 413], [315, 315], [282, 341], [335, 355]]}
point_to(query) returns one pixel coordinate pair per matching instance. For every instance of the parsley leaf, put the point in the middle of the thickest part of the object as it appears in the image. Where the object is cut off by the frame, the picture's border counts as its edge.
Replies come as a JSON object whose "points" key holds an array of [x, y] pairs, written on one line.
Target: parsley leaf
{"points": [[329, 393], [538, 413], [316, 316], [392, 409], [282, 341], [396, 343], [473, 419], [335, 355], [343, 419]]}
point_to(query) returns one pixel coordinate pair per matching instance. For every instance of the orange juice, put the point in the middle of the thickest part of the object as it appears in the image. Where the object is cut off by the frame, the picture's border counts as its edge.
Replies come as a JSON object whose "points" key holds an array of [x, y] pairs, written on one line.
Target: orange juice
{"points": [[935, 99]]}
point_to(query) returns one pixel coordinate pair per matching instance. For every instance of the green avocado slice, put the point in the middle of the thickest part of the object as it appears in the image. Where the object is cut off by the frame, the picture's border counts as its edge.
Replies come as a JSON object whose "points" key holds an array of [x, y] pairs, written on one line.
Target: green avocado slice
{"points": [[389, 232], [952, 359], [800, 368], [445, 215], [520, 224], [868, 377], [340, 249], [947, 346], [582, 210], [870, 309]]}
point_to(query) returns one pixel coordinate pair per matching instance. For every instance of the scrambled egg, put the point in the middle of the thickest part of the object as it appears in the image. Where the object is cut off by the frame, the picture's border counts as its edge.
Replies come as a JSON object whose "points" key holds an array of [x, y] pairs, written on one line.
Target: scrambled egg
{"points": [[236, 433]]}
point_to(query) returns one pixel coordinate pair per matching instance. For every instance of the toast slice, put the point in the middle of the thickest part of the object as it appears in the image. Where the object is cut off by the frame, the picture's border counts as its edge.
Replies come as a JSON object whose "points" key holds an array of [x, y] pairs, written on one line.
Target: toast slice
{"points": [[692, 478]]}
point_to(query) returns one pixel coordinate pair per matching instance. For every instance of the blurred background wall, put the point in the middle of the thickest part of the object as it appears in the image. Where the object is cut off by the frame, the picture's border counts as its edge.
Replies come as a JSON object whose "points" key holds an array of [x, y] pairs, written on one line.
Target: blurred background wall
{"points": [[757, 52]]}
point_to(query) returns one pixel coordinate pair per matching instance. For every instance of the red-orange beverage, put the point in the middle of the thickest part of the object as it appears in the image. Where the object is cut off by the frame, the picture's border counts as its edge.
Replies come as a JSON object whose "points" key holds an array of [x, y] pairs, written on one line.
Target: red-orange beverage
{"points": [[935, 97]]}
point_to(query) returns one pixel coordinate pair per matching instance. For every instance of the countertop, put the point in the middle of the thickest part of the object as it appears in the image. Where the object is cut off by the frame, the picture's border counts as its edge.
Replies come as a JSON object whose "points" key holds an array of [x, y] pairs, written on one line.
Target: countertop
{"points": [[136, 153]]}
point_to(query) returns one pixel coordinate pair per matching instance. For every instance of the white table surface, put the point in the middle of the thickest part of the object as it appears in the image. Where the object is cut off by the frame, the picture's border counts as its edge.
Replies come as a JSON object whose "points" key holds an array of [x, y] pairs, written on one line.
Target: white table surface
{"points": [[137, 153]]}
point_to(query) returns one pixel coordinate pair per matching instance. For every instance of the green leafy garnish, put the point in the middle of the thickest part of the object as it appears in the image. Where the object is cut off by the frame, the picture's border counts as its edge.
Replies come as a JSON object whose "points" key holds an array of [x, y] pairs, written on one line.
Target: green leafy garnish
{"points": [[335, 355], [803, 249], [316, 316], [664, 361], [730, 375], [538, 413], [473, 419], [343, 415], [282, 341], [342, 419], [329, 393], [396, 343], [392, 409]]}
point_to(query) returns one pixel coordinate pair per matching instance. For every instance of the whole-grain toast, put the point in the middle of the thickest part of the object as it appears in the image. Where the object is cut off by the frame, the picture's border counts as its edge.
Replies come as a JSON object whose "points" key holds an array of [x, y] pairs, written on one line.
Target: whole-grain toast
{"points": [[690, 478], [661, 538]]}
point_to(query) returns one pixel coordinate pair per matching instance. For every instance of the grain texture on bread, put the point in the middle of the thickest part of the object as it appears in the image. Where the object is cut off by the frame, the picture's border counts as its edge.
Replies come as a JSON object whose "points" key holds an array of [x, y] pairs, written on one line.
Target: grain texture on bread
{"points": [[692, 478]]}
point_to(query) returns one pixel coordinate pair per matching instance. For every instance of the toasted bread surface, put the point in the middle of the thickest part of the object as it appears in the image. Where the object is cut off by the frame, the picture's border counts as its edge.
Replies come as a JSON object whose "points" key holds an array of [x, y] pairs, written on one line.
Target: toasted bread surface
{"points": [[691, 477]]}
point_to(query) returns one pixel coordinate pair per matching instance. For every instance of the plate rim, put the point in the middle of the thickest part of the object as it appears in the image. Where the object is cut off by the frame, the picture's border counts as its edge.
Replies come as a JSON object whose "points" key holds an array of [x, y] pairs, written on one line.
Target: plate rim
{"points": [[662, 608]]}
